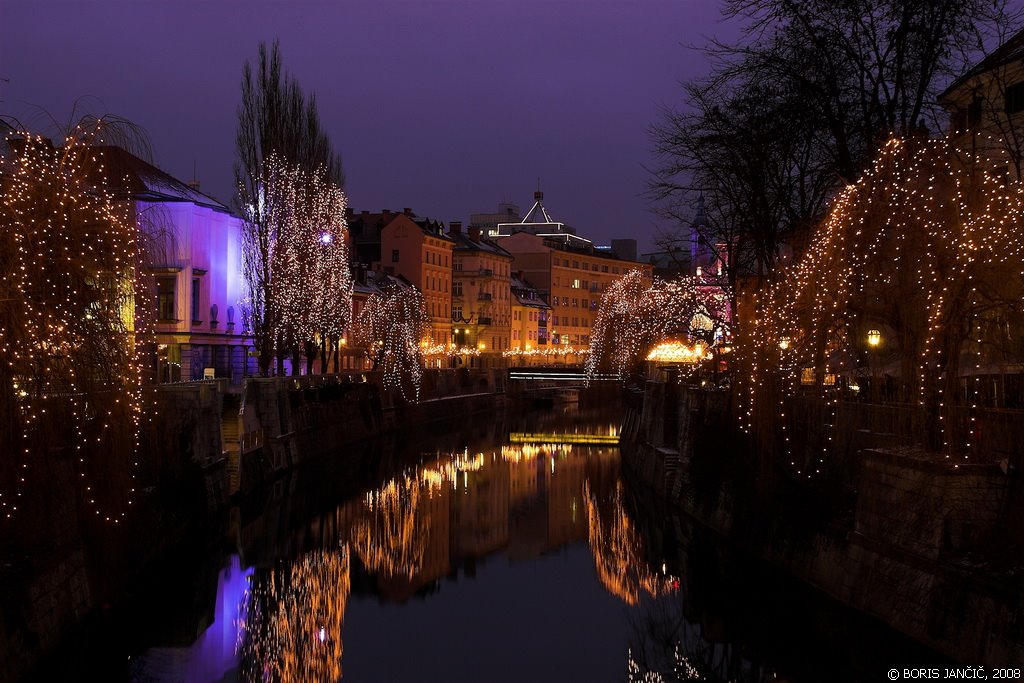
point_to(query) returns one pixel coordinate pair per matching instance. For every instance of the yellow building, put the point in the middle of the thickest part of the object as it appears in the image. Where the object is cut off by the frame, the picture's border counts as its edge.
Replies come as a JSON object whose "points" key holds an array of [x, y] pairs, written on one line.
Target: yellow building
{"points": [[481, 295], [529, 322], [573, 277]]}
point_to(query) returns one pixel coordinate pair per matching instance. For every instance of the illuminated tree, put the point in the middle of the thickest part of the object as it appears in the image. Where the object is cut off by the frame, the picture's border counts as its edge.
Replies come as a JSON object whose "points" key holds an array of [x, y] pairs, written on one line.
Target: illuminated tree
{"points": [[925, 252], [634, 314], [279, 135], [391, 327], [310, 279], [70, 319]]}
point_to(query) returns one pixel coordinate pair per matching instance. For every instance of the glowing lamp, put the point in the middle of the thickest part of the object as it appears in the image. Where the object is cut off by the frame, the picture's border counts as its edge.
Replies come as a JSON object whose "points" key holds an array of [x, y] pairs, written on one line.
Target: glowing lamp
{"points": [[784, 343], [874, 337]]}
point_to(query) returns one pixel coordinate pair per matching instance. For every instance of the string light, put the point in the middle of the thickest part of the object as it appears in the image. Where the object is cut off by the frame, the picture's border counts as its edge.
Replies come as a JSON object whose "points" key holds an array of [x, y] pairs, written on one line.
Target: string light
{"points": [[296, 261], [70, 326], [390, 326], [635, 313], [925, 252]]}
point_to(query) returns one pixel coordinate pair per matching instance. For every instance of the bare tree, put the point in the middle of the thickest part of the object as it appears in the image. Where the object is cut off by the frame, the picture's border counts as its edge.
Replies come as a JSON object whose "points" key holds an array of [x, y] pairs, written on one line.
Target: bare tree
{"points": [[275, 121], [799, 107]]}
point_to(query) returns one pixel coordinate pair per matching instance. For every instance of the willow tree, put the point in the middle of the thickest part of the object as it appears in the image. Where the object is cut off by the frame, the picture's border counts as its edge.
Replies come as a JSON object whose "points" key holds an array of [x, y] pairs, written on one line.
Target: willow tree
{"points": [[636, 313], [391, 327], [70, 316], [918, 265]]}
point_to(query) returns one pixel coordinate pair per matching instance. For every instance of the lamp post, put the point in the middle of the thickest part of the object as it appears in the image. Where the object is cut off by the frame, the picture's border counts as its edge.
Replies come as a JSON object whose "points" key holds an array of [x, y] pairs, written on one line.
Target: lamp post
{"points": [[874, 340]]}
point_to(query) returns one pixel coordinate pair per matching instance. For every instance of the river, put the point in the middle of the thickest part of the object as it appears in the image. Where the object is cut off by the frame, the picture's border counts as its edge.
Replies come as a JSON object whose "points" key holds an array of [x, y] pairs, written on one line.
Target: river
{"points": [[505, 549]]}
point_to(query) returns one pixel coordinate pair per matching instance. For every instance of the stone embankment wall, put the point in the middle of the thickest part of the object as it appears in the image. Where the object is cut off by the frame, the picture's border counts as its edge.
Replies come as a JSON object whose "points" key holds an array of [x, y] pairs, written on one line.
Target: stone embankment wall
{"points": [[904, 555]]}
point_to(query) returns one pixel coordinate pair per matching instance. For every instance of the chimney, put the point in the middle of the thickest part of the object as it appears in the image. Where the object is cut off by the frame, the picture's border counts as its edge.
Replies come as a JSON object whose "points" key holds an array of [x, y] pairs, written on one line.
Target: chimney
{"points": [[365, 212], [538, 196], [408, 212], [386, 212], [455, 228], [474, 233], [194, 184]]}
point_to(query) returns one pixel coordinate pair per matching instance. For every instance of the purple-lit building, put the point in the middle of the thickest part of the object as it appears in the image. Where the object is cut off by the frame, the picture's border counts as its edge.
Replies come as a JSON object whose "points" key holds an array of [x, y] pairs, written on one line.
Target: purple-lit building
{"points": [[193, 244]]}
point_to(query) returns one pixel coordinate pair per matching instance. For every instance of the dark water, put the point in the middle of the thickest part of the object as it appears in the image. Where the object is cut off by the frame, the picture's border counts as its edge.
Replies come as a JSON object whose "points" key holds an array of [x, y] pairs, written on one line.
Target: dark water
{"points": [[456, 555]]}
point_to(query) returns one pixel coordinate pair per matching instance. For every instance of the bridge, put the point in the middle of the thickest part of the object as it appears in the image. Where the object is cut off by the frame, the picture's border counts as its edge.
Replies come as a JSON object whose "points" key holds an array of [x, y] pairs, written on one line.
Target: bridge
{"points": [[559, 375], [549, 385]]}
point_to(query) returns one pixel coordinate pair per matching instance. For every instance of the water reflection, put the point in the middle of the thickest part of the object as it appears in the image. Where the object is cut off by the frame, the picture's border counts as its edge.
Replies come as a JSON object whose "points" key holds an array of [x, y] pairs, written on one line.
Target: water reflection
{"points": [[296, 612], [618, 553], [574, 575], [444, 513]]}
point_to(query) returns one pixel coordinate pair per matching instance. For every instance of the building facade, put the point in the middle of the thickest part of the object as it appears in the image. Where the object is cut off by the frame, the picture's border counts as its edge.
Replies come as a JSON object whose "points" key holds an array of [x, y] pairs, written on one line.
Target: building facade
{"points": [[481, 294], [572, 280], [530, 316], [194, 245], [418, 250]]}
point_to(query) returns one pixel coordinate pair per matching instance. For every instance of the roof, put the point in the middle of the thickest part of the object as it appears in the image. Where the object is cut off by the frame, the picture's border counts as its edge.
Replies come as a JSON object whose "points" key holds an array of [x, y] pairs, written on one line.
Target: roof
{"points": [[526, 294], [141, 180], [365, 227], [464, 242], [1011, 50]]}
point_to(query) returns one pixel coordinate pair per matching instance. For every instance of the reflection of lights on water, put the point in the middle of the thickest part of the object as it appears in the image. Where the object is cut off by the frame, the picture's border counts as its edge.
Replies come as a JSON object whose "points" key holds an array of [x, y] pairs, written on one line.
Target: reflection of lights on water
{"points": [[392, 539], [307, 597], [617, 549]]}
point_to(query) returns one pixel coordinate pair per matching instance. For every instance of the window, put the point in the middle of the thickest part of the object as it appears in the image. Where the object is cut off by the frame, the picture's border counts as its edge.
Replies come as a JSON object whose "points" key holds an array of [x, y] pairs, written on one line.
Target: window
{"points": [[426, 257], [457, 265], [456, 312], [604, 269], [394, 256], [586, 303], [565, 301], [575, 302], [165, 287], [615, 270], [457, 288], [195, 300], [1014, 98]]}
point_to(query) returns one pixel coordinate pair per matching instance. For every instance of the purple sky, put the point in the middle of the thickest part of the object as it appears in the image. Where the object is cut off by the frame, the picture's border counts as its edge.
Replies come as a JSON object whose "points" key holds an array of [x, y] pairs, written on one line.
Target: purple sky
{"points": [[444, 106]]}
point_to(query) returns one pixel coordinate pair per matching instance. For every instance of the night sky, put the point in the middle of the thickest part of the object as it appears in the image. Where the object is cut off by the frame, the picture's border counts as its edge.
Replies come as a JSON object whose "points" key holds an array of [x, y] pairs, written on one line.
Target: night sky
{"points": [[444, 106]]}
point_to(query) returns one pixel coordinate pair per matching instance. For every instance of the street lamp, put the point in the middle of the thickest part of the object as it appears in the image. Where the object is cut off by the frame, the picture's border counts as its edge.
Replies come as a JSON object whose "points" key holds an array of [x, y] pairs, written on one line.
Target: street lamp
{"points": [[874, 340]]}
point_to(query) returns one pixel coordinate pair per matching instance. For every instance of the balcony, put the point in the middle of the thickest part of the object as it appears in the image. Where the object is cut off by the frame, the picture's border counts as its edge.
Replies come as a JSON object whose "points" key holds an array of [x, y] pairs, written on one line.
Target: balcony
{"points": [[485, 321]]}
